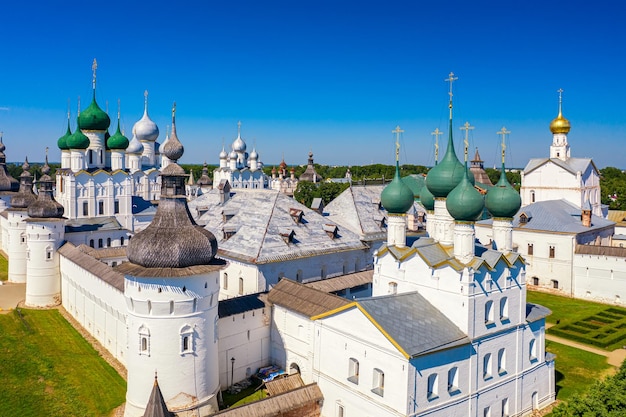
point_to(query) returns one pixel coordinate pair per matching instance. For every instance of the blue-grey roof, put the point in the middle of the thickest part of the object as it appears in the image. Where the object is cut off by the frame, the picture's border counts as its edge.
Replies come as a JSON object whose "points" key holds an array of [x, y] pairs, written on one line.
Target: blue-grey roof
{"points": [[559, 216], [535, 312], [413, 323], [92, 224], [142, 207], [572, 165], [239, 305]]}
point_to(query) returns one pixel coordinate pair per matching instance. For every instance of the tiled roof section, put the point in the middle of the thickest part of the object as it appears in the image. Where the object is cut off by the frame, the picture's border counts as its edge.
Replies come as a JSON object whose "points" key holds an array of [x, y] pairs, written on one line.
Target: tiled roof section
{"points": [[104, 253], [600, 250], [304, 300], [92, 224], [556, 216], [239, 305], [343, 282], [572, 165], [535, 312], [260, 219], [94, 266], [413, 323], [282, 385], [130, 268], [288, 403], [358, 209]]}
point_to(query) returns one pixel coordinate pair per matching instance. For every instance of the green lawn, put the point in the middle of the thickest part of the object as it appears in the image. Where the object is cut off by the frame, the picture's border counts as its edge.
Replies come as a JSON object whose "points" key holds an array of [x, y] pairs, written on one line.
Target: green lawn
{"points": [[4, 268], [576, 370], [48, 369], [245, 396], [566, 309]]}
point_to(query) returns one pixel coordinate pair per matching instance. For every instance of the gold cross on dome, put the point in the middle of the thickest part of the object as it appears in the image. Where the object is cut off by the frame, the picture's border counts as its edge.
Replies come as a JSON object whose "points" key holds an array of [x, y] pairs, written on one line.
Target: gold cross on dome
{"points": [[467, 128], [503, 132], [397, 131]]}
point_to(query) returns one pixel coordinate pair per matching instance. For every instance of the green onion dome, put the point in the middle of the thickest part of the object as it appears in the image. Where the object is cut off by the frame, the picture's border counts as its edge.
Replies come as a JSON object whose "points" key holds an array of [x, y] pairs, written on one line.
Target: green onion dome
{"points": [[464, 202], [117, 141], [397, 198], [93, 117], [427, 198], [62, 142], [502, 200], [78, 140], [446, 175]]}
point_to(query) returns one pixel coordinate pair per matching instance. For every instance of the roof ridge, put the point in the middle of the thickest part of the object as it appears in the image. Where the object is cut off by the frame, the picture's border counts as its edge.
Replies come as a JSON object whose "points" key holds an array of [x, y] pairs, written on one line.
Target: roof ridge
{"points": [[269, 220]]}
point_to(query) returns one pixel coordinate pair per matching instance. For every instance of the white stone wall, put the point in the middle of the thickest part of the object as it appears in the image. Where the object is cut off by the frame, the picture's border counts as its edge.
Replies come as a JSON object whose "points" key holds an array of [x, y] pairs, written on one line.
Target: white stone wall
{"points": [[98, 306], [292, 342], [245, 337], [16, 244], [600, 278]]}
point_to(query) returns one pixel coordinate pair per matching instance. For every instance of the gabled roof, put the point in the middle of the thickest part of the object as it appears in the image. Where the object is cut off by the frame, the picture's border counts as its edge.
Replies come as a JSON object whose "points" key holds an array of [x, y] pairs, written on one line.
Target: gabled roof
{"points": [[92, 265], [617, 216], [556, 216], [358, 209], [262, 220], [572, 165], [304, 300], [92, 224], [343, 282]]}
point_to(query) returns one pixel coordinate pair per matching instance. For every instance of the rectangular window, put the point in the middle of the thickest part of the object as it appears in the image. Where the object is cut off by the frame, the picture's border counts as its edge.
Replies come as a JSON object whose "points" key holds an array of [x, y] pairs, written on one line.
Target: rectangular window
{"points": [[489, 312], [504, 309], [116, 207], [453, 380], [340, 411], [85, 208], [533, 350], [502, 361], [100, 243], [530, 249], [225, 283], [551, 251], [433, 387], [487, 366], [555, 284], [378, 382], [535, 281], [353, 371], [505, 408], [100, 207]]}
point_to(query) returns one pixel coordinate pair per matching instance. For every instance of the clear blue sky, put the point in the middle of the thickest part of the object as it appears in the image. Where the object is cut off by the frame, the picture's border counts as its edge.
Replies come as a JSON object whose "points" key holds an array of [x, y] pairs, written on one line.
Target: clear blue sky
{"points": [[334, 77]]}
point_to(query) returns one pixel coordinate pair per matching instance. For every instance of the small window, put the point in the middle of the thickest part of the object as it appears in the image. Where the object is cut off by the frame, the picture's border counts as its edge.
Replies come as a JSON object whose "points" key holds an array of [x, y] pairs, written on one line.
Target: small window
{"points": [[91, 243], [532, 349], [530, 249], [85, 208], [100, 243], [340, 411], [453, 380], [504, 309], [108, 242], [353, 371], [487, 412], [502, 361], [240, 286], [489, 312], [144, 341], [555, 284], [487, 366], [378, 382], [433, 387], [186, 339], [122, 241], [393, 288], [100, 207], [551, 251], [225, 281], [535, 281], [116, 207], [505, 408]]}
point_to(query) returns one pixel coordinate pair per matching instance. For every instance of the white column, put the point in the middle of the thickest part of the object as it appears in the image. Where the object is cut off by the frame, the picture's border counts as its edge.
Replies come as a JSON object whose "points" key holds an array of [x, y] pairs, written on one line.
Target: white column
{"points": [[66, 159], [502, 229], [78, 161], [396, 230], [17, 244], [430, 222], [117, 159], [444, 223], [134, 162], [464, 238], [96, 145], [43, 282]]}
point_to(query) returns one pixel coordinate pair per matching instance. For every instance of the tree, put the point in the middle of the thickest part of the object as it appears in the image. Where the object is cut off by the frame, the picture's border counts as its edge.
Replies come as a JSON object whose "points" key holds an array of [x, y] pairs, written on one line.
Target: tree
{"points": [[305, 193]]}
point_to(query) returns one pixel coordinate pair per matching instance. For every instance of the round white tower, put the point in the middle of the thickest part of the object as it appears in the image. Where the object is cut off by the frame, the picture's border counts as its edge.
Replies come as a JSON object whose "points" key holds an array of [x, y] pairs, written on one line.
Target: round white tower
{"points": [[45, 229], [171, 288], [16, 228]]}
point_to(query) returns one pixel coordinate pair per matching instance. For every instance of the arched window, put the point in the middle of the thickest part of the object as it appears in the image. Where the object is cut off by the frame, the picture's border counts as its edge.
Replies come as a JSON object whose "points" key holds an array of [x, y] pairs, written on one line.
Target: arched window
{"points": [[393, 288], [240, 285], [100, 243], [504, 309], [502, 361], [487, 366], [144, 341], [91, 243], [489, 312], [186, 339], [353, 371], [122, 241], [108, 242], [378, 382], [532, 350], [225, 283], [453, 379], [433, 386]]}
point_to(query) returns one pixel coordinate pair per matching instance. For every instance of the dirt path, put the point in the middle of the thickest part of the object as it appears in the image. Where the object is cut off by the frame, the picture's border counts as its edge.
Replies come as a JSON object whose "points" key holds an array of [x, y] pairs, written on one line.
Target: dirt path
{"points": [[615, 358]]}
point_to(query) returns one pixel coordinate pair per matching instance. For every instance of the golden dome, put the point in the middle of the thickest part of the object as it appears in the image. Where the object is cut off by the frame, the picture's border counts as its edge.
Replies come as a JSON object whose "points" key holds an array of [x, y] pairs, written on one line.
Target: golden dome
{"points": [[560, 124]]}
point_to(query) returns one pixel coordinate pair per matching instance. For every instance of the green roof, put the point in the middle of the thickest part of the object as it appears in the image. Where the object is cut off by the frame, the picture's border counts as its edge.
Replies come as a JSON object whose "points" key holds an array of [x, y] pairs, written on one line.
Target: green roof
{"points": [[502, 200], [117, 141], [397, 198], [93, 117]]}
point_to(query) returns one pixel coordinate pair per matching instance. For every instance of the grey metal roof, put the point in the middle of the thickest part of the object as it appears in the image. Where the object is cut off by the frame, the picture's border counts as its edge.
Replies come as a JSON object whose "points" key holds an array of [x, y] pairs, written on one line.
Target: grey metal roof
{"points": [[239, 305], [261, 217], [358, 209], [535, 312], [92, 224], [601, 250], [156, 406], [572, 165], [94, 266], [104, 253], [555, 216], [412, 322]]}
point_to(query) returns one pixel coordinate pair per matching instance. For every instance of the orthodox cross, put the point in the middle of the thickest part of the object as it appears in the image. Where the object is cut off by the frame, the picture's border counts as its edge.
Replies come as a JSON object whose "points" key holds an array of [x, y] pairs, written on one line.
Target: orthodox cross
{"points": [[451, 78], [145, 99], [467, 128], [436, 133], [239, 128], [503, 132], [397, 131], [94, 67], [560, 91]]}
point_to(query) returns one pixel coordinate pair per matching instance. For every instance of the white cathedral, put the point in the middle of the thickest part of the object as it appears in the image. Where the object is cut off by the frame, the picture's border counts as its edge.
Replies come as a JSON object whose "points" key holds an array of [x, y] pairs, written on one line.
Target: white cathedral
{"points": [[446, 332]]}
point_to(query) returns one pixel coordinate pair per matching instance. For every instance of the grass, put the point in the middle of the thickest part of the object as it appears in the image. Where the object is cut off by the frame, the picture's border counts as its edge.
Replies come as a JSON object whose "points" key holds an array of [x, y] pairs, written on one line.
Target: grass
{"points": [[595, 324], [245, 396], [48, 369], [576, 369], [4, 268]]}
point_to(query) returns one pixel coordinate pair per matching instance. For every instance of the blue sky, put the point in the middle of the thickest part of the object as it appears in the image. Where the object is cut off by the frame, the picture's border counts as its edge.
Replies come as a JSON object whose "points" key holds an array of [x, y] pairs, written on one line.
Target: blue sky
{"points": [[334, 77]]}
